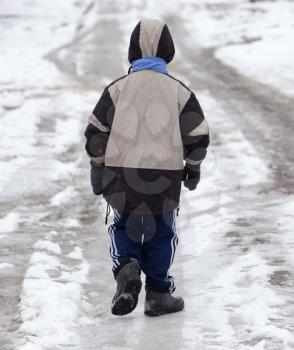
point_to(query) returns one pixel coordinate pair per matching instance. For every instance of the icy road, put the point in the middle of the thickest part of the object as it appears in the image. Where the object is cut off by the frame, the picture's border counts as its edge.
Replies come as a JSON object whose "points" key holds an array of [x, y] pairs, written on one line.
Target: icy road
{"points": [[234, 265]]}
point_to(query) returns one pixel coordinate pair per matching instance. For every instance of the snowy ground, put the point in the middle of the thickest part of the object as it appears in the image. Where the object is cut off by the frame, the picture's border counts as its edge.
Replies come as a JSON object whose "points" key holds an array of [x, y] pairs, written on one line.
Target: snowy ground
{"points": [[234, 264], [254, 37]]}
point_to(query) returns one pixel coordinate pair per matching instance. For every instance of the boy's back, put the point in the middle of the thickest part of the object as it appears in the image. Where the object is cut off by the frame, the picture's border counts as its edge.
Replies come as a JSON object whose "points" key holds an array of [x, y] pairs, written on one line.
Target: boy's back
{"points": [[145, 131], [143, 127]]}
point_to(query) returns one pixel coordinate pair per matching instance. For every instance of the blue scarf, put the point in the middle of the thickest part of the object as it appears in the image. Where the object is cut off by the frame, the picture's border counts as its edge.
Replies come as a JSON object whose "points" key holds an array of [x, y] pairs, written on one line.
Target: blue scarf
{"points": [[154, 63]]}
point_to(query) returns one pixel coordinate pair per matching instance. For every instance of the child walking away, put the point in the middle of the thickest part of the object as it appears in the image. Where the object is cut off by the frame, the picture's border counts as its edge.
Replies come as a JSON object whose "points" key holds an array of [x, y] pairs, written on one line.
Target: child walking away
{"points": [[147, 133]]}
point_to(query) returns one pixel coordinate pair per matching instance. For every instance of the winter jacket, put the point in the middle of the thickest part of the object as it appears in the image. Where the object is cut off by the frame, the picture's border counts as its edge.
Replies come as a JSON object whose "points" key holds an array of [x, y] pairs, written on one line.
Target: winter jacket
{"points": [[143, 128]]}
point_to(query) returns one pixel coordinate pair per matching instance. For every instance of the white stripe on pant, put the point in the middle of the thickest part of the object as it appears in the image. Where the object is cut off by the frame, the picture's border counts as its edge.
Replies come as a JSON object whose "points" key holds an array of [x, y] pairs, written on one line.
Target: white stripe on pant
{"points": [[174, 243], [113, 249]]}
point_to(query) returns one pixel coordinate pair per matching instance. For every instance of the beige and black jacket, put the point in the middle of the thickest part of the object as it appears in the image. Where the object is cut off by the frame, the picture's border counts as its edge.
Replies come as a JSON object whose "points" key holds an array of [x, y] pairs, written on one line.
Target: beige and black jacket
{"points": [[143, 128]]}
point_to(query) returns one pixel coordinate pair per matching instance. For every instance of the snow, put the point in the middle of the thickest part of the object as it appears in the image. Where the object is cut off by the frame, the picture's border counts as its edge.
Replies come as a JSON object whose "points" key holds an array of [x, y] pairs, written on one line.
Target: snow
{"points": [[244, 286], [4, 266], [49, 246], [29, 33], [9, 223], [72, 223], [63, 170], [76, 254], [257, 67], [286, 217], [232, 298], [41, 258], [64, 197], [234, 148], [52, 300], [27, 40], [41, 113], [51, 234], [231, 301], [260, 48], [67, 133], [21, 161], [255, 38], [284, 210], [79, 276]]}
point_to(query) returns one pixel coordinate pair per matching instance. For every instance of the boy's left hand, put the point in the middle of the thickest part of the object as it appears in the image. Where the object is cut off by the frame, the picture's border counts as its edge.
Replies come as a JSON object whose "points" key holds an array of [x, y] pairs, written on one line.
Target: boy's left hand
{"points": [[191, 176]]}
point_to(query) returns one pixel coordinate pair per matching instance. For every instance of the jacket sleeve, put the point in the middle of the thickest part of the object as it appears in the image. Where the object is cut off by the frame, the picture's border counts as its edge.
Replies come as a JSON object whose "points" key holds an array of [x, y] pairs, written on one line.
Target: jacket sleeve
{"points": [[98, 129], [194, 128]]}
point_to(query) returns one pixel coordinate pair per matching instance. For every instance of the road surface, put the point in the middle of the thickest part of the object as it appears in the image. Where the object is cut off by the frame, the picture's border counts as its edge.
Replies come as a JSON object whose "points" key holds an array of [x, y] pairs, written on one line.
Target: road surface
{"points": [[234, 264]]}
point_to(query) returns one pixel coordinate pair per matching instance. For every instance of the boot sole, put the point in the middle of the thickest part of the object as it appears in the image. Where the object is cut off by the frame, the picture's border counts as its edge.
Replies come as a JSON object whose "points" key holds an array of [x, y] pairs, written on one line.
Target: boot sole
{"points": [[128, 300]]}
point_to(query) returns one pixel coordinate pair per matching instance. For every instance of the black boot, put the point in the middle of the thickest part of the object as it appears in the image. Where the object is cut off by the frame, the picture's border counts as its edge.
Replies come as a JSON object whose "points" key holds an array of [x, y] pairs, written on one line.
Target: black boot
{"points": [[128, 288], [157, 304]]}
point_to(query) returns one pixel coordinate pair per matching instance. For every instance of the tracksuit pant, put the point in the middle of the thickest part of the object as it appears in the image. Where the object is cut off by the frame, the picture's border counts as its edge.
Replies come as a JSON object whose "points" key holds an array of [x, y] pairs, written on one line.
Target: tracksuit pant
{"points": [[151, 240]]}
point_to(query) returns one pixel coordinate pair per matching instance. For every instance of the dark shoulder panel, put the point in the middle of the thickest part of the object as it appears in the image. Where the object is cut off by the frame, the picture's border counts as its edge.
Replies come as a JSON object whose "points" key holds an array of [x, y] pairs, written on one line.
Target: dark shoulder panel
{"points": [[104, 109]]}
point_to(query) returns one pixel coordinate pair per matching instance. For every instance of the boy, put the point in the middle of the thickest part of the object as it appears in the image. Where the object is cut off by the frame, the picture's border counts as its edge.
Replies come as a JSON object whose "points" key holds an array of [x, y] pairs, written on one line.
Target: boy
{"points": [[144, 126]]}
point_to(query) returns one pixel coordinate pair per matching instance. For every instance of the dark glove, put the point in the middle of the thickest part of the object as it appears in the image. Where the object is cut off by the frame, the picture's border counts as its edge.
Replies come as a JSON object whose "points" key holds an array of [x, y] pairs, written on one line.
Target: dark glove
{"points": [[97, 178], [191, 176]]}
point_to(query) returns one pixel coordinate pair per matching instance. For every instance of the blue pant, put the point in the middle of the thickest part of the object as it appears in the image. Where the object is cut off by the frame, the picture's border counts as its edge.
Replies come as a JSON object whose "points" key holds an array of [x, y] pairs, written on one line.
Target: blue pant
{"points": [[151, 239]]}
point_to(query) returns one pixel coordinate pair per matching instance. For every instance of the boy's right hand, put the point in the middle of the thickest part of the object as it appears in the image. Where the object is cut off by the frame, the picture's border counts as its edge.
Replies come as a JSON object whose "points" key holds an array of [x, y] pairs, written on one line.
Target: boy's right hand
{"points": [[96, 178], [191, 176]]}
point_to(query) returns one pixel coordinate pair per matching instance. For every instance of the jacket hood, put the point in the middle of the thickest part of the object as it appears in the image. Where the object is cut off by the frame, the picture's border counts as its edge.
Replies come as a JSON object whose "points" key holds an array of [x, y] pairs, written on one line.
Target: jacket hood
{"points": [[151, 37]]}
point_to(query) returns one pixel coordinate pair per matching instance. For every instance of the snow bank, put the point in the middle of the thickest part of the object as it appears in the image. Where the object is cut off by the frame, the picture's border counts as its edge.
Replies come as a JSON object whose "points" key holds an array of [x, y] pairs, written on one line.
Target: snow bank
{"points": [[244, 294], [35, 89], [260, 47], [52, 300], [230, 297], [31, 35]]}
